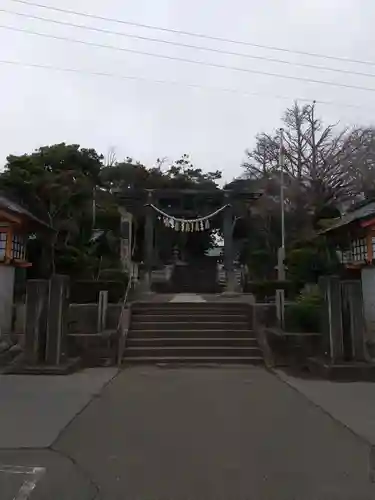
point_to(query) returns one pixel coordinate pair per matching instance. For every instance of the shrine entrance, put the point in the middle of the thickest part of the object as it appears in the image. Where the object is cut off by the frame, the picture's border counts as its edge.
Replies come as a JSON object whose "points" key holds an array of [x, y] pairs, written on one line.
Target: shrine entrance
{"points": [[170, 232]]}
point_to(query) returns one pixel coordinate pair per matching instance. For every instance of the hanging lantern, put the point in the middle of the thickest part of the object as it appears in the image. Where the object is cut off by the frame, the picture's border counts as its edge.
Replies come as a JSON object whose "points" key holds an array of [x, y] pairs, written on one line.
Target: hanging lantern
{"points": [[197, 226], [207, 224], [201, 225], [177, 225]]}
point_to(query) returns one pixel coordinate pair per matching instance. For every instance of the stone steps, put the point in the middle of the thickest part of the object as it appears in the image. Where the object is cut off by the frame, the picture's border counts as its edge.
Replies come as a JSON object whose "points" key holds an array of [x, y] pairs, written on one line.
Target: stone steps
{"points": [[189, 325], [206, 332], [198, 278], [216, 306], [176, 341], [201, 316], [194, 360], [179, 334], [190, 351]]}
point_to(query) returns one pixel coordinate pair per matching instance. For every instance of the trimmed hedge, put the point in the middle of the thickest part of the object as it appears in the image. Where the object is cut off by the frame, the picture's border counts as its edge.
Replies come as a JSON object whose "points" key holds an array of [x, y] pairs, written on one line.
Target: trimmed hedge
{"points": [[305, 314], [87, 291], [265, 290], [114, 275]]}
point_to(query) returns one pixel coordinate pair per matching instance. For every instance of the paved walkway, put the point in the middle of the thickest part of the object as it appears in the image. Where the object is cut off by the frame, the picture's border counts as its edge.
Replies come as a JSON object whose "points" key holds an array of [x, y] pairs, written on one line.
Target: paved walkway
{"points": [[200, 434], [34, 409], [352, 403]]}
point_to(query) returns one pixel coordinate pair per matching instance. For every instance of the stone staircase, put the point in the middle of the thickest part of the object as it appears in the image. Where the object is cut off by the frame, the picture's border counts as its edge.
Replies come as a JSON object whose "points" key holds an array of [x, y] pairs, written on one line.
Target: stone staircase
{"points": [[209, 332], [198, 277]]}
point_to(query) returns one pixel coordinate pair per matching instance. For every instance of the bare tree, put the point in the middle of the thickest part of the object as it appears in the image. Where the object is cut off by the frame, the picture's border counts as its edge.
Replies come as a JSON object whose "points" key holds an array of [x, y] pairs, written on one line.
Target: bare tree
{"points": [[323, 165], [358, 161], [111, 157], [263, 159], [160, 163], [295, 147]]}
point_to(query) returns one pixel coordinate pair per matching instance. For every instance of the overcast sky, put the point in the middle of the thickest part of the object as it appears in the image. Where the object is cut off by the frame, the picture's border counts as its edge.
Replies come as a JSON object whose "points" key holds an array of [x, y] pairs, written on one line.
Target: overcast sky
{"points": [[148, 120]]}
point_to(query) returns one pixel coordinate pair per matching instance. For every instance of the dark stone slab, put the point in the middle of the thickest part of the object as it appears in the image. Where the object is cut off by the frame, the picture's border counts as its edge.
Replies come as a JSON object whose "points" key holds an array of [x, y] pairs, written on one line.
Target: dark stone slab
{"points": [[332, 320], [36, 311], [57, 319], [354, 323]]}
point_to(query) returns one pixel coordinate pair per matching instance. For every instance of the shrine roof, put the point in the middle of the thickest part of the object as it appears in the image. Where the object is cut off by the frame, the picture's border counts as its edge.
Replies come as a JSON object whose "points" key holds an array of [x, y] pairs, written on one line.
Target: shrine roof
{"points": [[357, 215], [8, 205]]}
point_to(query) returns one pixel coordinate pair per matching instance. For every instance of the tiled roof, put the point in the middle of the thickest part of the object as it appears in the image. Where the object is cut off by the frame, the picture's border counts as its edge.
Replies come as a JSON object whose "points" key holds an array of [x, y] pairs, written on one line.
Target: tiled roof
{"points": [[357, 214], [15, 208]]}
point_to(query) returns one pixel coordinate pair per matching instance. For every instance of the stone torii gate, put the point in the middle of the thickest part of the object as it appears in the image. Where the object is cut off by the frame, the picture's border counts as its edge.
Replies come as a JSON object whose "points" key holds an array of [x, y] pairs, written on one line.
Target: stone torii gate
{"points": [[184, 207]]}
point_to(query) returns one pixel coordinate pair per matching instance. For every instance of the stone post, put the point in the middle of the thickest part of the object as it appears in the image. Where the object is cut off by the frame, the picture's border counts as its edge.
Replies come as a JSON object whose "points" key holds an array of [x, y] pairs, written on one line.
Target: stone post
{"points": [[354, 321], [6, 297], [102, 310], [228, 250], [149, 244], [58, 306], [332, 318], [36, 321], [126, 241]]}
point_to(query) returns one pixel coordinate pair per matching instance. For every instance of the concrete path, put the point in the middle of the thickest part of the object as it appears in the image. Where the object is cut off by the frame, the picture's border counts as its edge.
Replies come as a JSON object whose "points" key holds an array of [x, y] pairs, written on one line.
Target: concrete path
{"points": [[35, 409], [212, 434], [351, 403], [225, 433]]}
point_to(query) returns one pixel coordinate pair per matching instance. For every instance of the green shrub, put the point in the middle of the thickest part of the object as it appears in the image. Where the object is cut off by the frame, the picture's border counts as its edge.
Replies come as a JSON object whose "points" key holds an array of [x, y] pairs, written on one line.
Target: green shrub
{"points": [[311, 260], [305, 314], [113, 275], [87, 291], [264, 290]]}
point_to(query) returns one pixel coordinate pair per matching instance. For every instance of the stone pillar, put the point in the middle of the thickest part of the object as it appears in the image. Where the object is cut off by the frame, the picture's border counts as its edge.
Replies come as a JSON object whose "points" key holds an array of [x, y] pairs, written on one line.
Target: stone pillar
{"points": [[228, 250], [126, 241], [353, 320], [36, 321], [6, 297], [58, 306], [332, 318], [102, 310], [149, 245], [368, 293]]}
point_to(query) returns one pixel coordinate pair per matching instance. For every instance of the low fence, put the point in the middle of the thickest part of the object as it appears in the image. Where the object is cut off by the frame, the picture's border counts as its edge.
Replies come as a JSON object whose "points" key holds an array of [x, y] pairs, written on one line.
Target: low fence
{"points": [[83, 318]]}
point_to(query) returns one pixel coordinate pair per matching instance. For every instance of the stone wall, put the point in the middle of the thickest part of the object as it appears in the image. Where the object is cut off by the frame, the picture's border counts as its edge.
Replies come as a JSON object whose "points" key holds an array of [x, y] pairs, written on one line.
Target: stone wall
{"points": [[19, 318], [265, 314], [82, 318], [368, 290], [6, 298]]}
